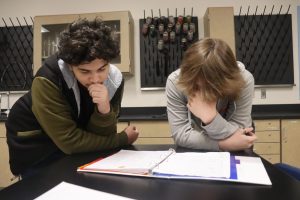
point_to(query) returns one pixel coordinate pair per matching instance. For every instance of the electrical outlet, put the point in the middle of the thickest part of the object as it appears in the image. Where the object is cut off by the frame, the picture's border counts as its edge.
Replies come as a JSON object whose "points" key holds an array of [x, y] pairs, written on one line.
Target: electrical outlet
{"points": [[263, 94]]}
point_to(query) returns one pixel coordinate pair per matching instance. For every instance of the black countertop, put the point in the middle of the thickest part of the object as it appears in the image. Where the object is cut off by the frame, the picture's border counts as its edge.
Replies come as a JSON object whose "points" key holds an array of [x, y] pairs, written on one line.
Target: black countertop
{"points": [[3, 117], [64, 169], [276, 111], [271, 111]]}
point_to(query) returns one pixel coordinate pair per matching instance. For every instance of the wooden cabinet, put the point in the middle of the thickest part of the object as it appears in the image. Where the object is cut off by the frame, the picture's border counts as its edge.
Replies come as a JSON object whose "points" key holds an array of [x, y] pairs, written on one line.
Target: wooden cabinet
{"points": [[121, 126], [290, 141], [268, 142], [6, 177], [219, 23], [151, 132], [47, 30]]}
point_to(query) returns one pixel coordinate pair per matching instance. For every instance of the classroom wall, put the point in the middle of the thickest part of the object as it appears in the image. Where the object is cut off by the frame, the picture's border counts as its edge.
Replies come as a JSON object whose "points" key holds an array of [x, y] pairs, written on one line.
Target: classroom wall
{"points": [[133, 96]]}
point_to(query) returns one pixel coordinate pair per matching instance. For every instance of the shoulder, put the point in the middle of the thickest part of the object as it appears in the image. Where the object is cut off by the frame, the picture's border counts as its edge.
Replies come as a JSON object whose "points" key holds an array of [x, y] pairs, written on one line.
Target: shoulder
{"points": [[248, 77], [171, 85], [50, 70], [173, 80], [174, 76], [115, 76], [114, 80]]}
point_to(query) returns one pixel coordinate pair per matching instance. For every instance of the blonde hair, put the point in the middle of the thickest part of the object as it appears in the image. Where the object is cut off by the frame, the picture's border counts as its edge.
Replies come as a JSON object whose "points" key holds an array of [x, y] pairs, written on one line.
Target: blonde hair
{"points": [[209, 67]]}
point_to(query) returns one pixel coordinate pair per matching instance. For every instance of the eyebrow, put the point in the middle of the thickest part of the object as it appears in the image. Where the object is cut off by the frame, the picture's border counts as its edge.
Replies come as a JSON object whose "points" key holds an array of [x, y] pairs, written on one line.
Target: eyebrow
{"points": [[98, 68], [104, 65]]}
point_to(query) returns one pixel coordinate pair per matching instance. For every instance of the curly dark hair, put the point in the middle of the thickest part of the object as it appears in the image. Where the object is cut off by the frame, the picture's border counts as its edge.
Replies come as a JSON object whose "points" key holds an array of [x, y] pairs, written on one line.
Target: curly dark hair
{"points": [[84, 41]]}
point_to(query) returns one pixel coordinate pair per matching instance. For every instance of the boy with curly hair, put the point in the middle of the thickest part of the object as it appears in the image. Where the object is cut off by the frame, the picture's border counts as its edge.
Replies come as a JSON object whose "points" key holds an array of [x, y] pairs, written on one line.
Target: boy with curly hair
{"points": [[73, 104]]}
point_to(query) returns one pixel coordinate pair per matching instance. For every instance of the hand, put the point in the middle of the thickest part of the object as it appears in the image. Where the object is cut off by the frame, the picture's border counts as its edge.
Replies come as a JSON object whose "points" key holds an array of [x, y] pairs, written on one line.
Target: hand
{"points": [[132, 134], [100, 96], [241, 139], [204, 110]]}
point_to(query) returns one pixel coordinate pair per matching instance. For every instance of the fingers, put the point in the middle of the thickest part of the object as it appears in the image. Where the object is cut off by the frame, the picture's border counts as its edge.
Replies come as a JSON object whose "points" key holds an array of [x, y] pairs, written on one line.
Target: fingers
{"points": [[96, 89], [131, 129], [134, 128], [132, 134], [249, 133], [251, 137], [248, 129], [100, 96]]}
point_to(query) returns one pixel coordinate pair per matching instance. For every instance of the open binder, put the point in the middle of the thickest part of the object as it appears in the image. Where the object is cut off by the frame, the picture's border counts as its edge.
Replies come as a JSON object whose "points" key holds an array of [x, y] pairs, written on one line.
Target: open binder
{"points": [[189, 165]]}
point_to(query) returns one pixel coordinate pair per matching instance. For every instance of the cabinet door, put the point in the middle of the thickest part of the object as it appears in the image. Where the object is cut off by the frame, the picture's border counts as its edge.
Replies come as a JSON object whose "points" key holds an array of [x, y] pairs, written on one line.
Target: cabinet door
{"points": [[290, 141], [219, 23], [267, 144], [121, 126], [153, 132], [5, 175], [121, 23], [46, 31]]}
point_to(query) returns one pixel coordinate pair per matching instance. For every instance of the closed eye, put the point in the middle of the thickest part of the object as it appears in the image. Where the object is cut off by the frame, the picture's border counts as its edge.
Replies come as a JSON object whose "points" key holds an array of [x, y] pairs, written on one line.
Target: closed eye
{"points": [[83, 71], [102, 68]]}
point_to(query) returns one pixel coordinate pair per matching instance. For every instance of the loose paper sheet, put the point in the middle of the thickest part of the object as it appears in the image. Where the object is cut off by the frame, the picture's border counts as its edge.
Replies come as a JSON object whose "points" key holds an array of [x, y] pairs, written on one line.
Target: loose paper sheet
{"points": [[70, 191], [211, 164]]}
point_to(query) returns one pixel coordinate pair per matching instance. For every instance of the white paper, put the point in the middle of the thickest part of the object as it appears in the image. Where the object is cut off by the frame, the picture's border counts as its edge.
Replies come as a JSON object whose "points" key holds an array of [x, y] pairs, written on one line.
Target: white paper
{"points": [[252, 170], [130, 161], [210, 164], [70, 191], [189, 165]]}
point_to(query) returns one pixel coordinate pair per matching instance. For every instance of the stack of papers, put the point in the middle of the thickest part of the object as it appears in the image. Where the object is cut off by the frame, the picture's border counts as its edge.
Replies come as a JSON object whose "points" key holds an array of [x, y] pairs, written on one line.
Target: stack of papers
{"points": [[190, 165]]}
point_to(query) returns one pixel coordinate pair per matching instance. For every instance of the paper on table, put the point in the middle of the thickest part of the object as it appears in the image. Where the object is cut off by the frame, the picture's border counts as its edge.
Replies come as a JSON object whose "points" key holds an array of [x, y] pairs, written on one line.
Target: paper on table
{"points": [[192, 165], [128, 161], [252, 170], [210, 164], [70, 191]]}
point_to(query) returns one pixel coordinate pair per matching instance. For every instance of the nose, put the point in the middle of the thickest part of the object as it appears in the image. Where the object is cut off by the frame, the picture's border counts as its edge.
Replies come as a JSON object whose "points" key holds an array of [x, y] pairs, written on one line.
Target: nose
{"points": [[95, 78]]}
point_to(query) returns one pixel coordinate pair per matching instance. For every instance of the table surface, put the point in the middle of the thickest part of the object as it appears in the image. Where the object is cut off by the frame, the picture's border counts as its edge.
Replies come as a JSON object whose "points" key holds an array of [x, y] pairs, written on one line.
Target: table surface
{"points": [[64, 169]]}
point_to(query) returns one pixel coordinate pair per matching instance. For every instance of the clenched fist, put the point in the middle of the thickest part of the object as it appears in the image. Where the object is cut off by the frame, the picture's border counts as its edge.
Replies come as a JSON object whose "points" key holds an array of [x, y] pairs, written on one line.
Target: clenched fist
{"points": [[132, 134], [239, 140], [100, 96]]}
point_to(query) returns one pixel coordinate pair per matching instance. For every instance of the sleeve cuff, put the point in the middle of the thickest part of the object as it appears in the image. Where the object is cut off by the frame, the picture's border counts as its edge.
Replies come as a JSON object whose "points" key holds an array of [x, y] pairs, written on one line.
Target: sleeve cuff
{"points": [[123, 139], [103, 120]]}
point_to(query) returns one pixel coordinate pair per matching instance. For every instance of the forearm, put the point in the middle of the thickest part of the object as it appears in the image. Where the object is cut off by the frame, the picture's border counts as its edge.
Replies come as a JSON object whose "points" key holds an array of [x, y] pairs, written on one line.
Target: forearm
{"points": [[71, 139], [241, 117], [219, 128], [103, 124], [83, 141], [187, 136]]}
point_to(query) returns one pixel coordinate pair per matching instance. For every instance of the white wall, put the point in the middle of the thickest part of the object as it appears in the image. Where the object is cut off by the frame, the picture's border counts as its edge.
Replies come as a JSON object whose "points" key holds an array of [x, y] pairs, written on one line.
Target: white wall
{"points": [[133, 96]]}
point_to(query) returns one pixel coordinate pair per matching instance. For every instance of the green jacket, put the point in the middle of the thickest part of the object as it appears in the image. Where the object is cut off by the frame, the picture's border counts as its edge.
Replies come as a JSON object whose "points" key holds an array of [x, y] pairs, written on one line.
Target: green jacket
{"points": [[55, 116]]}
